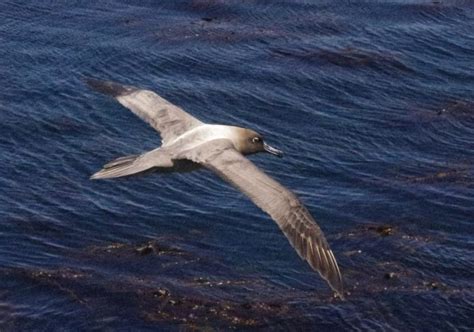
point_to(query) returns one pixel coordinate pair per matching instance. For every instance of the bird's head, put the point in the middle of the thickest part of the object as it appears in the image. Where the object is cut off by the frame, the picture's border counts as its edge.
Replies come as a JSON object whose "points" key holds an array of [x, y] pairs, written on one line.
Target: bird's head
{"points": [[249, 142]]}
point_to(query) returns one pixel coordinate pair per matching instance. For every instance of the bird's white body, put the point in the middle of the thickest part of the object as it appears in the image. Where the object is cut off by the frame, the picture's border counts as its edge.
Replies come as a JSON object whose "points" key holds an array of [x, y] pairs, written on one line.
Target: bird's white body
{"points": [[203, 133]]}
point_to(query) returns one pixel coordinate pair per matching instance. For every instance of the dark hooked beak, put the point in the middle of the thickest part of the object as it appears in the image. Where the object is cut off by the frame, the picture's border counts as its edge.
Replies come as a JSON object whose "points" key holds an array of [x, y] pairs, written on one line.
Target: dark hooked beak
{"points": [[272, 150]]}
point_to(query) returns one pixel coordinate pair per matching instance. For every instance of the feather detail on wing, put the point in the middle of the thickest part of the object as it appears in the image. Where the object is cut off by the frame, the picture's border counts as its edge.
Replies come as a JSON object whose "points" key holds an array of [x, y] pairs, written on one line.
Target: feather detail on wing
{"points": [[282, 205], [135, 164], [168, 119]]}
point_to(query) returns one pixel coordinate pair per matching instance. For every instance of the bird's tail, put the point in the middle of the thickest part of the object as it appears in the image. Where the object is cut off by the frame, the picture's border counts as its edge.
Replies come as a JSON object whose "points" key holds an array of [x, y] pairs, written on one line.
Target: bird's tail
{"points": [[119, 167]]}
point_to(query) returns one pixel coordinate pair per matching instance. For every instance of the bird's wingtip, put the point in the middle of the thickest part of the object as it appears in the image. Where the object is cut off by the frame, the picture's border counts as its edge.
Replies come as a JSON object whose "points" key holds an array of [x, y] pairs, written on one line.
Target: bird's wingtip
{"points": [[108, 87], [97, 175], [336, 282], [337, 287], [339, 293]]}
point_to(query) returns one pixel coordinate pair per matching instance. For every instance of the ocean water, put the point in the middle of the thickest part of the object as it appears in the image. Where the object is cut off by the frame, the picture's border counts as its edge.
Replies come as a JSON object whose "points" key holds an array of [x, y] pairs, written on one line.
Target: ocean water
{"points": [[371, 101]]}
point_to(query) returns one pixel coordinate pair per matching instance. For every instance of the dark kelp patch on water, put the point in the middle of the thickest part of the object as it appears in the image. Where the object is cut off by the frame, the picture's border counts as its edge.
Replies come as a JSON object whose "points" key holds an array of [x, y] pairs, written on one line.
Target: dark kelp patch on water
{"points": [[386, 269], [345, 57], [456, 109], [211, 301], [159, 296], [199, 312], [143, 249], [214, 31], [383, 230], [225, 23], [103, 297], [462, 175]]}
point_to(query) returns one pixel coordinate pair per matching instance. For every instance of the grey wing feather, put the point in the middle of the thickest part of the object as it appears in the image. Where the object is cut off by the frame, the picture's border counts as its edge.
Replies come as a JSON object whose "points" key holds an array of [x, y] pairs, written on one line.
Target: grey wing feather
{"points": [[168, 119], [282, 205], [121, 161], [135, 164]]}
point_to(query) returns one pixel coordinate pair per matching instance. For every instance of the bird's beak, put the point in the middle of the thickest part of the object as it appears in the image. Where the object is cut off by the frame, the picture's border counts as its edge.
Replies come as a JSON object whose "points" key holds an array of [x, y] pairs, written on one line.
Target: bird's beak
{"points": [[272, 150]]}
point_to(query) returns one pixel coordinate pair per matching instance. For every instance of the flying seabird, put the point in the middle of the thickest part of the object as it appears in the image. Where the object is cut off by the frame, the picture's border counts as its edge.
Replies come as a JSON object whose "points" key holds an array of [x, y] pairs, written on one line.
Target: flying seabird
{"points": [[188, 144]]}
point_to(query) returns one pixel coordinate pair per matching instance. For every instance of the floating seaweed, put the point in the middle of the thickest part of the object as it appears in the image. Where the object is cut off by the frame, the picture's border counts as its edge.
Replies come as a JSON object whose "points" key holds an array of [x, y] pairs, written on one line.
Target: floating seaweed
{"points": [[345, 57], [453, 175]]}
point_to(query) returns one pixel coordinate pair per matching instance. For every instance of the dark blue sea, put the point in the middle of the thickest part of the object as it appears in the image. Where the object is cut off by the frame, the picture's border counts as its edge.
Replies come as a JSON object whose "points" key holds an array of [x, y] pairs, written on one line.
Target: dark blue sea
{"points": [[371, 101]]}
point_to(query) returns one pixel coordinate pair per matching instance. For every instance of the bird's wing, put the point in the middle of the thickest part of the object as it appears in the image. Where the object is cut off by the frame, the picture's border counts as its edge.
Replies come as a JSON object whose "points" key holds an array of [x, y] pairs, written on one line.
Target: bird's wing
{"points": [[168, 119], [282, 205]]}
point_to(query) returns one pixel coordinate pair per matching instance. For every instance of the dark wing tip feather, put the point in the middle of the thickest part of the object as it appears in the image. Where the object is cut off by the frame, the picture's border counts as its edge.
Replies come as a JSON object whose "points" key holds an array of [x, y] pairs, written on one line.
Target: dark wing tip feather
{"points": [[329, 269], [335, 280], [109, 88], [323, 261], [311, 246]]}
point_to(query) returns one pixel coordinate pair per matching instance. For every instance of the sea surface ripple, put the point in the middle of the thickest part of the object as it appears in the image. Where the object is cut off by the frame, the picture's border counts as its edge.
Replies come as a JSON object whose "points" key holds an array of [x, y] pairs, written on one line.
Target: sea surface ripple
{"points": [[372, 102]]}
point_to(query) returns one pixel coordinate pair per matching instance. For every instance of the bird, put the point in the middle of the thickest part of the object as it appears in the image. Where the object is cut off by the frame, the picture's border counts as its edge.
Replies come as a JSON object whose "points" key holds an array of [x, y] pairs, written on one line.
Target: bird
{"points": [[188, 144]]}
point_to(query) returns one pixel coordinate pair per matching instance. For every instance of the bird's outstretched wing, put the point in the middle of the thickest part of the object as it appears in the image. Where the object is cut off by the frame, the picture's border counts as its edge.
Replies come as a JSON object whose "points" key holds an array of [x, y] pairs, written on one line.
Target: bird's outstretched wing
{"points": [[282, 205], [168, 119]]}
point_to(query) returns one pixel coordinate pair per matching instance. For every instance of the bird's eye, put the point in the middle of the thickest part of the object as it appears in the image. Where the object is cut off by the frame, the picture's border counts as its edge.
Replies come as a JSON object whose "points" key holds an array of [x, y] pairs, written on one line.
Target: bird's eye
{"points": [[256, 140]]}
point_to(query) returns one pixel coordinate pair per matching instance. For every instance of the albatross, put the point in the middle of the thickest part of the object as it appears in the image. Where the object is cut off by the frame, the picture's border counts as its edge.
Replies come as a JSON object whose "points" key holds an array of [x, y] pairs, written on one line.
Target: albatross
{"points": [[189, 144]]}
